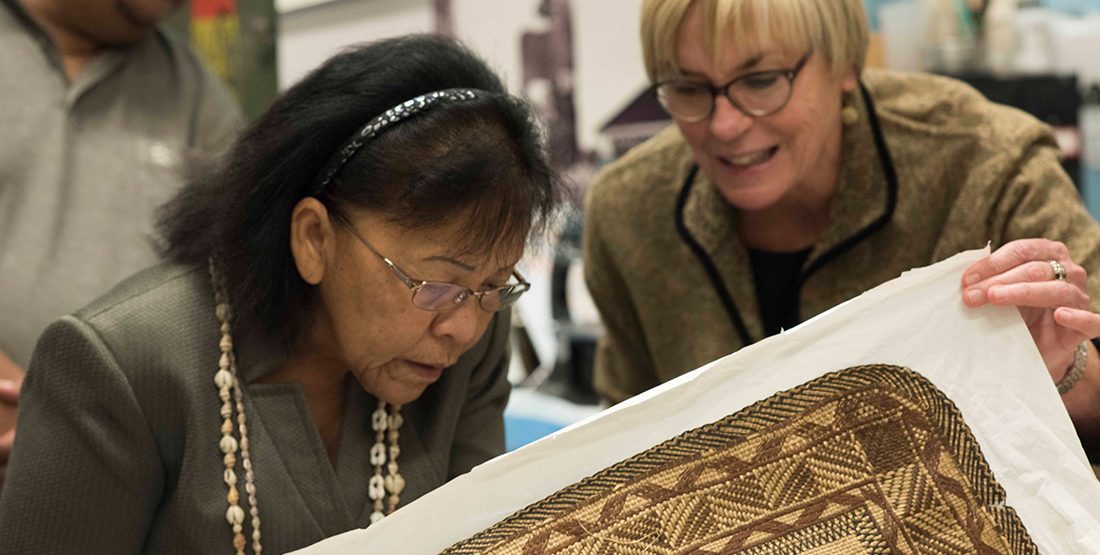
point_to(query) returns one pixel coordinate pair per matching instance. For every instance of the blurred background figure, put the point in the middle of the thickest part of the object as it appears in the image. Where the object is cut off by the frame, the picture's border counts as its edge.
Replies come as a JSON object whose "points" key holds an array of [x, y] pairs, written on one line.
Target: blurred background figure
{"points": [[102, 111]]}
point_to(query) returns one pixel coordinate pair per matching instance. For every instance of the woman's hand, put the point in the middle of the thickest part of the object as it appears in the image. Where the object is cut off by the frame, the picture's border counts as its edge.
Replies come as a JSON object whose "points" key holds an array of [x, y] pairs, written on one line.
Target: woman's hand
{"points": [[1057, 313], [9, 398]]}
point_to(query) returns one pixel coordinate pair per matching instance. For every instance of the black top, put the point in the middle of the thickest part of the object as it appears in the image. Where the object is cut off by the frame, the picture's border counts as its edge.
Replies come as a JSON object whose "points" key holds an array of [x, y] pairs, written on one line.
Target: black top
{"points": [[776, 275]]}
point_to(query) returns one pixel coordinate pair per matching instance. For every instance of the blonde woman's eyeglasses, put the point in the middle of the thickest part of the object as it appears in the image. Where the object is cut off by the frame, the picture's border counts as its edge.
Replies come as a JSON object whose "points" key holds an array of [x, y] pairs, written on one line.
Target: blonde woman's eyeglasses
{"points": [[757, 94]]}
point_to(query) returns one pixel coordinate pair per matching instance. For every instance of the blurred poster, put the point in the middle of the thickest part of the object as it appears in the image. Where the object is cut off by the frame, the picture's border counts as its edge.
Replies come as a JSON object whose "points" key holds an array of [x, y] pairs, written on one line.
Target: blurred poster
{"points": [[216, 35], [548, 79]]}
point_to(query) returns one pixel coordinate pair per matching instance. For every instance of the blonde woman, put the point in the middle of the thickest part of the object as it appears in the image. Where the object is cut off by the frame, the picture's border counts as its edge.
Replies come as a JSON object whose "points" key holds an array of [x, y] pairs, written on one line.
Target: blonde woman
{"points": [[795, 179]]}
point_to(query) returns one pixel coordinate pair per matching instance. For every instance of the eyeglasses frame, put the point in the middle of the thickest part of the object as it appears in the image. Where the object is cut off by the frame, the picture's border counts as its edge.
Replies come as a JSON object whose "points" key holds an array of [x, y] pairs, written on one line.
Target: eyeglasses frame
{"points": [[789, 74], [415, 285]]}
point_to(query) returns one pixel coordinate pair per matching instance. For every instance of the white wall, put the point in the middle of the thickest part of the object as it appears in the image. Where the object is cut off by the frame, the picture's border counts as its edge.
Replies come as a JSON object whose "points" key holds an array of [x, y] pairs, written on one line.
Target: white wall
{"points": [[311, 35], [607, 53], [494, 29], [607, 63]]}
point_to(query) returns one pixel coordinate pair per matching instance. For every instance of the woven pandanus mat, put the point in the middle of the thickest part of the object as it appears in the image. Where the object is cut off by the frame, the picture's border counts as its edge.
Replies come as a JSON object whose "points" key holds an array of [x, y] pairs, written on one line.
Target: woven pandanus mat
{"points": [[867, 460]]}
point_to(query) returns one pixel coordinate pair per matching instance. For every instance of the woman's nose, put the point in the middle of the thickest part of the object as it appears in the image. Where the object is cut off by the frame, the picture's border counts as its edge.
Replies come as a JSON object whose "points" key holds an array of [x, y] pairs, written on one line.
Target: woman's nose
{"points": [[728, 122], [462, 324]]}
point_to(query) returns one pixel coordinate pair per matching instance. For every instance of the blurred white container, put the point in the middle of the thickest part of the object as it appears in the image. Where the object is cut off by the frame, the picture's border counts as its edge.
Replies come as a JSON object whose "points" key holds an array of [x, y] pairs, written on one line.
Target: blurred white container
{"points": [[1000, 36], [1036, 30], [1090, 132], [949, 42], [904, 27], [1075, 47]]}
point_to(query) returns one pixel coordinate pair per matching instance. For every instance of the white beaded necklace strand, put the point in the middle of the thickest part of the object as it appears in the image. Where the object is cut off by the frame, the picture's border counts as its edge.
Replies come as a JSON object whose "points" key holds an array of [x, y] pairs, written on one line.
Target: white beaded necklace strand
{"points": [[386, 425], [226, 379]]}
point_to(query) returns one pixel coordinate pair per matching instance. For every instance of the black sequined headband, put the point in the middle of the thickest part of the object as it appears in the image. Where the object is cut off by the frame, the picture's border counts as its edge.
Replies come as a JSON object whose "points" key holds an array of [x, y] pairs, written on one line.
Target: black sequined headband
{"points": [[380, 123]]}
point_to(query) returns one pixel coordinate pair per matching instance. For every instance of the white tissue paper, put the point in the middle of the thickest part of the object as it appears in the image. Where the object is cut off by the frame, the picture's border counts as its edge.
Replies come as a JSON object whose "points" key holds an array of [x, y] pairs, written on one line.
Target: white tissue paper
{"points": [[983, 359]]}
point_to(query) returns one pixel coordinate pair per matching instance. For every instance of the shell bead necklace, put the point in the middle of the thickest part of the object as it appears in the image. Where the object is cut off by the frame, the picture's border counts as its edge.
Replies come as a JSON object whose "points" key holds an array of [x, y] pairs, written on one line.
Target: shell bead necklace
{"points": [[385, 423]]}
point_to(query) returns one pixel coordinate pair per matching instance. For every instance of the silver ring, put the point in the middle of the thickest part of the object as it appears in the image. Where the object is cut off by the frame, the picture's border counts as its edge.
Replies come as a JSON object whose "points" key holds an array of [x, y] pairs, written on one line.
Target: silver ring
{"points": [[1059, 270]]}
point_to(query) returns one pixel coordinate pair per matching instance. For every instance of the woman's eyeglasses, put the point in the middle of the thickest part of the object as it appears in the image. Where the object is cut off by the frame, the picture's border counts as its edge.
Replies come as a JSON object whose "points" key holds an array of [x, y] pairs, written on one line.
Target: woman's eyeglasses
{"points": [[757, 94], [439, 296]]}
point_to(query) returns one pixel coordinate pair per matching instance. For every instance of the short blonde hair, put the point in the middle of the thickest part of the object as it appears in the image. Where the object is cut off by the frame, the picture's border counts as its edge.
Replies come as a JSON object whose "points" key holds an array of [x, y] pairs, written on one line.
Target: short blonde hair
{"points": [[835, 28]]}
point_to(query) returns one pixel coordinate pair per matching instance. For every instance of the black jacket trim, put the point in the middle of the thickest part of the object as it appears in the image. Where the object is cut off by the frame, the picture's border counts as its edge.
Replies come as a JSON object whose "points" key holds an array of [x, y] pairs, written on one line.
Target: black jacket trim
{"points": [[708, 265], [716, 278], [891, 193]]}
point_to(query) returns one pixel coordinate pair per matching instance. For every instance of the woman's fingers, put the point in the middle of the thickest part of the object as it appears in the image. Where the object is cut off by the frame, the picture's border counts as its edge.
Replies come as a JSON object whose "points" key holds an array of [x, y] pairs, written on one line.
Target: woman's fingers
{"points": [[6, 440], [1028, 272], [1046, 294], [1027, 261], [1084, 321], [1014, 254], [9, 392]]}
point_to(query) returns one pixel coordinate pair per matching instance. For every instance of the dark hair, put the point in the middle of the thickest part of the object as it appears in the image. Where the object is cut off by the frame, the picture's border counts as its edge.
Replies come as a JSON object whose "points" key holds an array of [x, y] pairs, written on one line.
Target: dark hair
{"points": [[483, 159]]}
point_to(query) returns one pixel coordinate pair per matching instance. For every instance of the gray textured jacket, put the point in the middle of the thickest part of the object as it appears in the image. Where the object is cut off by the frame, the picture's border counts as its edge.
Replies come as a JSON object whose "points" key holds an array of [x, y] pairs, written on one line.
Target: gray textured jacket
{"points": [[116, 448]]}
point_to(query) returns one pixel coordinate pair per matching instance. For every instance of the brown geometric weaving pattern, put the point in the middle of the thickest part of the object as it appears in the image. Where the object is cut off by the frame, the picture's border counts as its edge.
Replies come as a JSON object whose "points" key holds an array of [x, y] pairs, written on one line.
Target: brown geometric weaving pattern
{"points": [[869, 460]]}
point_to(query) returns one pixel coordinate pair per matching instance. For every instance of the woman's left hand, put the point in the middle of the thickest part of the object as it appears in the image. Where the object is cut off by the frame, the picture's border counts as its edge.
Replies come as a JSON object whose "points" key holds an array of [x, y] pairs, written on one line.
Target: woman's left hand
{"points": [[1057, 313]]}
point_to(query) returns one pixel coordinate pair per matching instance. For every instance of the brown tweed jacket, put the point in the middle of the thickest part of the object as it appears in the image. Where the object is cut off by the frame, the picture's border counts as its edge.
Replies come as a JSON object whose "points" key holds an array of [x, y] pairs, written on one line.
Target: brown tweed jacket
{"points": [[116, 450], [968, 172]]}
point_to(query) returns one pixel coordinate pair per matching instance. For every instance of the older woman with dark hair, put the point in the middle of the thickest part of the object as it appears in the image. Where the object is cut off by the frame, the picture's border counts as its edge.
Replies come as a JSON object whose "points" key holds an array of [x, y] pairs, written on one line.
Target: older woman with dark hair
{"points": [[329, 341]]}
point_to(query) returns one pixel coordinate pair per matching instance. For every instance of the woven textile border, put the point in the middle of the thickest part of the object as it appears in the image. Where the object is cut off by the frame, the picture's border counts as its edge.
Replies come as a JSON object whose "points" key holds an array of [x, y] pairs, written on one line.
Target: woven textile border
{"points": [[761, 417]]}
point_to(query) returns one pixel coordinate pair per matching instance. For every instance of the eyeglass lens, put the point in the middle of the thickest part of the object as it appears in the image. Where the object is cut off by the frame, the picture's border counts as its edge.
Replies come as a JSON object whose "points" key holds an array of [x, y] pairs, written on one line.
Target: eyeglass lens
{"points": [[758, 94], [439, 296]]}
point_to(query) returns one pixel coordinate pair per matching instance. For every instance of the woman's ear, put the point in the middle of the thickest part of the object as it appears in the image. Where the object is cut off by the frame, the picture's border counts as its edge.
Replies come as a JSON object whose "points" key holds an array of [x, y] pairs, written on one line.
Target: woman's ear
{"points": [[849, 80], [312, 239]]}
